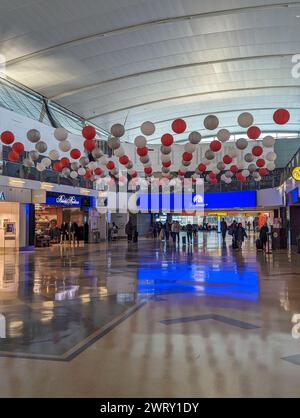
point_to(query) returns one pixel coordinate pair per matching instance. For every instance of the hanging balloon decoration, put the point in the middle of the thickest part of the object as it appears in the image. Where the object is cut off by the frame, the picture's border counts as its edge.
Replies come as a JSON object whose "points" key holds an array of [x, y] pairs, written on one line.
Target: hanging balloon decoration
{"points": [[245, 120], [257, 151], [117, 130], [13, 156], [227, 159], [281, 116], [195, 137], [223, 135], [89, 132], [7, 137], [253, 132], [268, 141], [211, 122], [33, 136], [18, 148], [41, 147], [148, 128], [215, 146], [178, 126], [260, 162], [241, 143], [75, 154], [89, 145]]}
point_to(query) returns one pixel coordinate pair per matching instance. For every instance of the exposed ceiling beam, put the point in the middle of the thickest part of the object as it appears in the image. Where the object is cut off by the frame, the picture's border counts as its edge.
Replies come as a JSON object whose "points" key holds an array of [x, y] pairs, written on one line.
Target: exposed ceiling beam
{"points": [[184, 96], [144, 25], [71, 92]]}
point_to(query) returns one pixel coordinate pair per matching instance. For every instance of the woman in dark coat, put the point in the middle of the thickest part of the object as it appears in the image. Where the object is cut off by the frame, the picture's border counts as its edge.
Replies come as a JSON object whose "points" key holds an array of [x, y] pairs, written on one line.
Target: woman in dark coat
{"points": [[240, 235]]}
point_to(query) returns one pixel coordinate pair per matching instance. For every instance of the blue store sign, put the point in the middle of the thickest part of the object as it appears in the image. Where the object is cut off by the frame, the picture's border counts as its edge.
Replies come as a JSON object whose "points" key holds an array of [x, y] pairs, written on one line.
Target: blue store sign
{"points": [[68, 200]]}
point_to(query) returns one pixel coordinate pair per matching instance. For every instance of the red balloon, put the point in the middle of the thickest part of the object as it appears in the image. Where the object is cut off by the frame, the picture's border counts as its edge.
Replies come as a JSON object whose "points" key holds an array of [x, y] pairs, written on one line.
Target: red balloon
{"points": [[7, 137], [202, 167], [179, 126], [263, 171], [227, 159], [187, 156], [124, 159], [234, 169], [241, 178], [75, 154], [18, 147], [214, 181], [253, 132], [134, 174], [257, 151], [260, 162], [167, 140], [212, 175], [181, 173], [65, 162], [88, 174], [13, 156], [89, 144], [57, 166], [110, 165], [215, 145], [98, 171], [281, 116], [89, 132], [148, 170], [142, 152], [167, 164]]}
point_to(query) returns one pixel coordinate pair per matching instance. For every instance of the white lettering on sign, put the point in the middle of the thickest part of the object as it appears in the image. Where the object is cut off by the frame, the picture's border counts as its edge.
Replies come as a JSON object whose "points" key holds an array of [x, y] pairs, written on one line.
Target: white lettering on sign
{"points": [[198, 199], [2, 196], [67, 200]]}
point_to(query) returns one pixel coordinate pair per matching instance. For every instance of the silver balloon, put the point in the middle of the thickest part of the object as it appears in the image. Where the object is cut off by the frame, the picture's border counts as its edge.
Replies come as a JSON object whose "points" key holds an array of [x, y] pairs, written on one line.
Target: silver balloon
{"points": [[66, 172], [61, 134], [190, 147], [46, 162], [271, 156], [165, 158], [40, 167], [27, 162], [73, 174], [228, 180], [223, 135], [92, 165], [245, 120], [269, 141], [119, 152], [54, 155], [257, 178], [165, 170], [241, 143], [145, 159], [74, 166], [221, 166], [117, 130], [129, 165], [245, 173], [140, 141], [33, 135], [41, 147], [228, 174], [97, 153], [65, 146], [255, 175], [81, 171], [195, 137], [103, 160], [211, 122], [186, 163], [34, 155], [209, 155], [249, 157], [83, 161], [271, 166], [165, 150], [114, 171], [252, 168], [148, 128], [233, 152], [114, 143]]}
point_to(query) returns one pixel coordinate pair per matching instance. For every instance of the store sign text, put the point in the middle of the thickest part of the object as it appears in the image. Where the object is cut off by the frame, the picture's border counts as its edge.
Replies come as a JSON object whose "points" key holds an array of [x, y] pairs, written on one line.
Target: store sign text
{"points": [[67, 200]]}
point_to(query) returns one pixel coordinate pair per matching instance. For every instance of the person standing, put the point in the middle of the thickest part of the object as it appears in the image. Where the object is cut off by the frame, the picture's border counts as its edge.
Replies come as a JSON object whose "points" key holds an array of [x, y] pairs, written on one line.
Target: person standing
{"points": [[263, 235], [240, 235], [224, 228], [175, 232], [128, 231], [189, 230]]}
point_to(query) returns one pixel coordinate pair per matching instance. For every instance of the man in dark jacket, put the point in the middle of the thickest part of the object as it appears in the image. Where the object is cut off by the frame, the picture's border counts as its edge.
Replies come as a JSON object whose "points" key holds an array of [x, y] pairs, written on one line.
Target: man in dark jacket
{"points": [[224, 228], [239, 235]]}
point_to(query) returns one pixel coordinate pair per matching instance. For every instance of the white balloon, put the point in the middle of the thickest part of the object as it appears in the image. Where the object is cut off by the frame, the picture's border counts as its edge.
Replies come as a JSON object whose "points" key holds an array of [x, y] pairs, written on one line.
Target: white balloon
{"points": [[241, 165], [92, 165], [257, 178], [65, 171], [103, 160], [40, 167], [223, 135], [65, 146], [229, 174], [34, 155], [113, 143], [54, 155], [27, 162], [119, 152], [245, 120], [140, 141], [194, 137], [221, 166], [271, 166], [233, 152], [97, 153], [252, 168], [190, 147], [117, 130], [46, 162], [271, 156], [268, 141], [148, 128], [246, 173], [84, 161], [165, 158], [81, 171], [228, 180], [73, 174], [61, 134]]}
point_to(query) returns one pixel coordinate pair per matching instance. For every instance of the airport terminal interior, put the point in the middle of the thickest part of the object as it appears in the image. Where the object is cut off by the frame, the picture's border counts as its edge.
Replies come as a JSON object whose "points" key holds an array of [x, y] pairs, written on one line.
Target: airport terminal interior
{"points": [[149, 199]]}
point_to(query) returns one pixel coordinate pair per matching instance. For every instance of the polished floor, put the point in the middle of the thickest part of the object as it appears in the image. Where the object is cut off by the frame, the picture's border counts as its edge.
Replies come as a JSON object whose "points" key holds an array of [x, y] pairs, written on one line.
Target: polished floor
{"points": [[153, 320]]}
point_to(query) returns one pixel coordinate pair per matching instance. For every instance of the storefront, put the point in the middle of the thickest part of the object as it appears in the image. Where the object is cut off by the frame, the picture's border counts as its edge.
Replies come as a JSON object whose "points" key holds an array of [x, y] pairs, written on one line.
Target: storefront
{"points": [[16, 212], [65, 218]]}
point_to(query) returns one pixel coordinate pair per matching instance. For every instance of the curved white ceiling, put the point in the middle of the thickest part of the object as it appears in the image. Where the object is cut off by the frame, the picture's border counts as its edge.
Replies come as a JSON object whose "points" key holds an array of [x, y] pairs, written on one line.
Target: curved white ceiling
{"points": [[134, 60]]}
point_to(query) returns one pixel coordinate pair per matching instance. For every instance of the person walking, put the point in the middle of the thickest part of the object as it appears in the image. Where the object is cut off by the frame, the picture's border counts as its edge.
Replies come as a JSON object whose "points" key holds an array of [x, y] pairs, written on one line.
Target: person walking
{"points": [[240, 235], [189, 230], [175, 232], [128, 231], [224, 228], [263, 235]]}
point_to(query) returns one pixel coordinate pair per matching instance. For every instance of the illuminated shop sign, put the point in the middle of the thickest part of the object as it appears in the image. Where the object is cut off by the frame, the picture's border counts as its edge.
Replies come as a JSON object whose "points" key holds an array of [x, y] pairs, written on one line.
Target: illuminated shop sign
{"points": [[63, 199], [296, 173], [2, 196], [178, 202]]}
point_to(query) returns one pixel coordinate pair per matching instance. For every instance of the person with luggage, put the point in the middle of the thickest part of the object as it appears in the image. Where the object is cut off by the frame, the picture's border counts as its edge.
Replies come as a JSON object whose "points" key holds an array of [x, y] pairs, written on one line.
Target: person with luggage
{"points": [[239, 236], [224, 229], [263, 236]]}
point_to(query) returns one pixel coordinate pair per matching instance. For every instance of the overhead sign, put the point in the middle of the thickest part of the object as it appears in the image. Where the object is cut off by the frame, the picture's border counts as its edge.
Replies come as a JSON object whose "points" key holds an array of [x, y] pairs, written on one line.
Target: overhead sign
{"points": [[63, 199], [2, 196], [296, 173]]}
